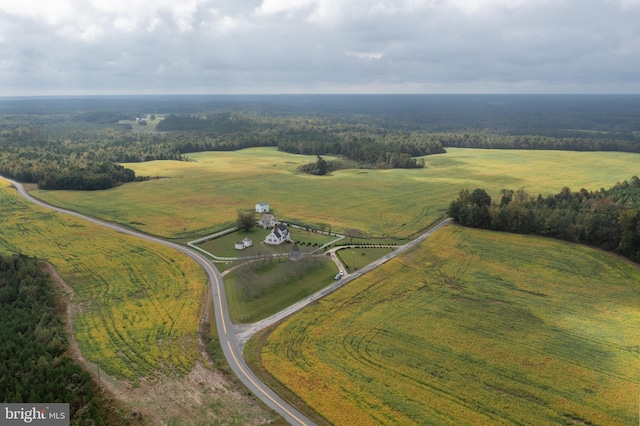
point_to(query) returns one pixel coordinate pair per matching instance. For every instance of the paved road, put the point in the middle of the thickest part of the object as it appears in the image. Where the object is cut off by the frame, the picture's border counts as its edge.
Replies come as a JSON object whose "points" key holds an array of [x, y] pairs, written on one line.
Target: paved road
{"points": [[230, 347], [244, 332]]}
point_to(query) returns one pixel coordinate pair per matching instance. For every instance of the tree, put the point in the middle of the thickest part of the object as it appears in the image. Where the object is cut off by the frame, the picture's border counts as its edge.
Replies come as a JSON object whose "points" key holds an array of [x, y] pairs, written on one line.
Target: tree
{"points": [[322, 168], [480, 198], [352, 232], [507, 196], [245, 220]]}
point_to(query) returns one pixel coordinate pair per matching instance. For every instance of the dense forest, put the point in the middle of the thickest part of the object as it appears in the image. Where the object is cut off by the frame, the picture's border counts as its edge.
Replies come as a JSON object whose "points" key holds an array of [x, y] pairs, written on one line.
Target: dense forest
{"points": [[78, 143], [33, 364], [606, 218]]}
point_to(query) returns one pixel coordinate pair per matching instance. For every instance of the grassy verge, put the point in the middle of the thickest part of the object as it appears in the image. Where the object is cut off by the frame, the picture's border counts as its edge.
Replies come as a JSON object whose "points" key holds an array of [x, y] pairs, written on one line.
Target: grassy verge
{"points": [[252, 356]]}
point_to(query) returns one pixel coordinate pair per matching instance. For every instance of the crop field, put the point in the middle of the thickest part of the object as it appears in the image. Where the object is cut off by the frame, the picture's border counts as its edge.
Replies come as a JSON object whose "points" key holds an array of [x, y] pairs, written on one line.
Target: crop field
{"points": [[137, 304], [192, 199], [471, 327]]}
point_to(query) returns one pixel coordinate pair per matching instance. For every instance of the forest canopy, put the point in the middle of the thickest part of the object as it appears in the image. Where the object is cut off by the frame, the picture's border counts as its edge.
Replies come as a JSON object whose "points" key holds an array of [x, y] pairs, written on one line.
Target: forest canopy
{"points": [[33, 364], [79, 143]]}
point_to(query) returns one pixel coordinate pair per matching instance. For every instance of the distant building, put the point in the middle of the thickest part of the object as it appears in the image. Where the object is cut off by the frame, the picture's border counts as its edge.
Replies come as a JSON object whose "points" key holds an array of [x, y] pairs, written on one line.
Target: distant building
{"points": [[267, 221], [262, 208], [278, 235], [244, 243]]}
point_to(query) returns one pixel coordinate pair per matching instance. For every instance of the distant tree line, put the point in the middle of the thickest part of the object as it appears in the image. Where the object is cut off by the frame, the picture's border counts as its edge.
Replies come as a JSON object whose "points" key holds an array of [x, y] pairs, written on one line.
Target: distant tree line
{"points": [[535, 142], [69, 151], [80, 161], [607, 218], [33, 364], [378, 149]]}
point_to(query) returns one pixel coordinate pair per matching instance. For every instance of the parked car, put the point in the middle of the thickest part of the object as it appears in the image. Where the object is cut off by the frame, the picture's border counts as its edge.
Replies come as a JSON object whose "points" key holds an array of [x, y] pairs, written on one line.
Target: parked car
{"points": [[338, 275]]}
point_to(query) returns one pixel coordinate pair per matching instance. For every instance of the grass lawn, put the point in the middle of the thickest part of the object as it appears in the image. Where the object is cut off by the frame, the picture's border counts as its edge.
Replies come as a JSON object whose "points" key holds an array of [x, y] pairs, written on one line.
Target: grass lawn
{"points": [[196, 198], [356, 258], [225, 245], [243, 309], [472, 327]]}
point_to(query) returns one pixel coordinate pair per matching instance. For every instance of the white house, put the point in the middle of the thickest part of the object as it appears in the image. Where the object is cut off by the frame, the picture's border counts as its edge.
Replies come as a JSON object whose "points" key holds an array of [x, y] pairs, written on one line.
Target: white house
{"points": [[262, 208], [244, 243], [267, 221], [278, 235]]}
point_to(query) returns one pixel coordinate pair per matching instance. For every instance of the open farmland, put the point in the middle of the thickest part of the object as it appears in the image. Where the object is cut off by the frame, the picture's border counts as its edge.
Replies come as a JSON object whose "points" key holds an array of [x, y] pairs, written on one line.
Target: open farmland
{"points": [[139, 304], [198, 197], [472, 327], [136, 313]]}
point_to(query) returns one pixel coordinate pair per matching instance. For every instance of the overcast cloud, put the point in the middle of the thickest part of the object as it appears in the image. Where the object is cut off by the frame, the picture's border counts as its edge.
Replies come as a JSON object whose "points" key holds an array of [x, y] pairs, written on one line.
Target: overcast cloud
{"points": [[319, 46]]}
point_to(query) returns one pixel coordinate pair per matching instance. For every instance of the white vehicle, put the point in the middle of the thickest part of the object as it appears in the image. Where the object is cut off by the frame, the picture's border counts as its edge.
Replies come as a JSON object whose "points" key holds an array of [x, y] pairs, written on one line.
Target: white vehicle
{"points": [[339, 275]]}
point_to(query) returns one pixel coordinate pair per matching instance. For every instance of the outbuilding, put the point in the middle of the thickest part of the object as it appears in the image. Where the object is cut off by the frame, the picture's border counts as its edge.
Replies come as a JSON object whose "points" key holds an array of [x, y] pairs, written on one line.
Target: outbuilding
{"points": [[244, 243], [262, 208]]}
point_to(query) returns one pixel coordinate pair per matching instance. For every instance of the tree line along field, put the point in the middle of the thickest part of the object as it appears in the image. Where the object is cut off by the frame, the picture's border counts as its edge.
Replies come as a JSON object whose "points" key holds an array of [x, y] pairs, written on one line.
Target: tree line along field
{"points": [[202, 196], [138, 305], [471, 327]]}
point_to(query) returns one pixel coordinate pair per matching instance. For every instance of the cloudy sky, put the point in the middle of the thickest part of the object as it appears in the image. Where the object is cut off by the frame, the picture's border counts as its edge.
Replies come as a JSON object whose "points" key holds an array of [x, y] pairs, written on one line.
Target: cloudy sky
{"points": [[54, 47]]}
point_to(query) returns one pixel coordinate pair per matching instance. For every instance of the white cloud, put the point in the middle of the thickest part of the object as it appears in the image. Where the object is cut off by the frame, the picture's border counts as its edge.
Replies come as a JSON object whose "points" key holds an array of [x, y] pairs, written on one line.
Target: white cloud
{"points": [[316, 45], [366, 55], [628, 4], [283, 6]]}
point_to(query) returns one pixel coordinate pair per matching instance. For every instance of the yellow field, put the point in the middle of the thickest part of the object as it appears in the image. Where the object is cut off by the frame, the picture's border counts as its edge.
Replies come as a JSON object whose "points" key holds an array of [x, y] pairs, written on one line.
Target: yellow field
{"points": [[138, 304], [473, 327], [204, 195]]}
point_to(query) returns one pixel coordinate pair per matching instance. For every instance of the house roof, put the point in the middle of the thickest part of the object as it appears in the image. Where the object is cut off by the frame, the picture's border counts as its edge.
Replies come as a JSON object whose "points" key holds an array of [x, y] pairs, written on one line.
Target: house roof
{"points": [[280, 230]]}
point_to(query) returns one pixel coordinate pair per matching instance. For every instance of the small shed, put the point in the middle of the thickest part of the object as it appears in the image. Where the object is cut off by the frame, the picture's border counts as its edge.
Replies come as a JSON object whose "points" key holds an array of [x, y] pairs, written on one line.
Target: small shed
{"points": [[262, 208], [244, 243]]}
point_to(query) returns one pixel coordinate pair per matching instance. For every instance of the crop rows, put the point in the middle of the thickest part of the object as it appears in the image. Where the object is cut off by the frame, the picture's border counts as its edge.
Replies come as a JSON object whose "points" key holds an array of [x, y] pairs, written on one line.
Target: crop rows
{"points": [[471, 329], [137, 305]]}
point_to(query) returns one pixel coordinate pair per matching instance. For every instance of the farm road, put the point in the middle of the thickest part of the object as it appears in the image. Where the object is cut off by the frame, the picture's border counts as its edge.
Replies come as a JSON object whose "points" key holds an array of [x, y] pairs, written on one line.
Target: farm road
{"points": [[228, 342], [244, 332]]}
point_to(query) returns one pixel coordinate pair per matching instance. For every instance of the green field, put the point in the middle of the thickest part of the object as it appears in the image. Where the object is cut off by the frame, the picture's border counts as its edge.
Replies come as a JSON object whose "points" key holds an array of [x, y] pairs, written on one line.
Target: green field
{"points": [[137, 304], [195, 198], [472, 327], [285, 293], [356, 258]]}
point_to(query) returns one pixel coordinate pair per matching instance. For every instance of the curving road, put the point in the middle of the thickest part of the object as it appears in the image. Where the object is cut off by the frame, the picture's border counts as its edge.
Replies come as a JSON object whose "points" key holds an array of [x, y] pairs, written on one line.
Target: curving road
{"points": [[230, 347]]}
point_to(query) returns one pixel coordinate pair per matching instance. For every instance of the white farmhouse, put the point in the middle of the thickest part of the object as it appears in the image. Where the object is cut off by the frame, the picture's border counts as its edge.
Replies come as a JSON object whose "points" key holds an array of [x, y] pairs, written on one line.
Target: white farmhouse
{"points": [[278, 235], [262, 208]]}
